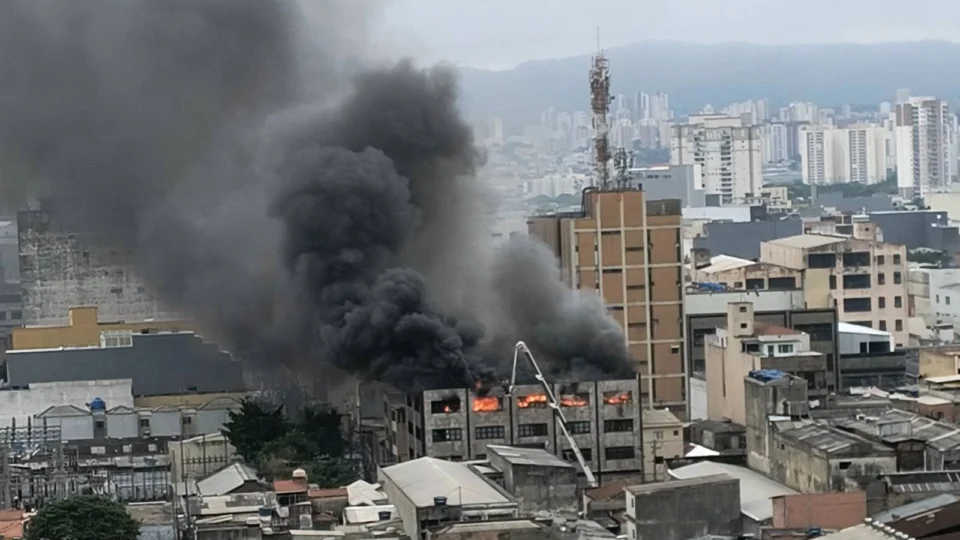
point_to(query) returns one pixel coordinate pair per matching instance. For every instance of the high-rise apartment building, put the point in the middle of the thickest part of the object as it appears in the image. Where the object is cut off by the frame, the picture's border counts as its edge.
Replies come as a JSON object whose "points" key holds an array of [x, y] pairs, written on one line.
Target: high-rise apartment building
{"points": [[923, 140], [774, 143], [628, 250], [830, 155], [729, 152]]}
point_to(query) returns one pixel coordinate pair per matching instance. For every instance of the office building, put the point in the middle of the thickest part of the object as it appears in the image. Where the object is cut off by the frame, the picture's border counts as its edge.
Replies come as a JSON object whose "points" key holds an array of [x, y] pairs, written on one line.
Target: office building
{"points": [[831, 155], [628, 250], [458, 424], [728, 150], [923, 139]]}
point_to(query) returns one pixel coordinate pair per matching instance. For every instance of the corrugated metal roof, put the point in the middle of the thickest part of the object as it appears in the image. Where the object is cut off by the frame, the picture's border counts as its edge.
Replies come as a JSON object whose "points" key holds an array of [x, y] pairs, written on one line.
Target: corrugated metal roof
{"points": [[915, 508], [528, 456], [756, 490], [860, 532], [807, 240], [226, 480], [425, 478]]}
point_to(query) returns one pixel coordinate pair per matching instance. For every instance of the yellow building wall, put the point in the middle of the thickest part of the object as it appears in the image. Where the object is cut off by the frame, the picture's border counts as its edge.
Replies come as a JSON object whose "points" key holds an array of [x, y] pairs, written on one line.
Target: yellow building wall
{"points": [[83, 330]]}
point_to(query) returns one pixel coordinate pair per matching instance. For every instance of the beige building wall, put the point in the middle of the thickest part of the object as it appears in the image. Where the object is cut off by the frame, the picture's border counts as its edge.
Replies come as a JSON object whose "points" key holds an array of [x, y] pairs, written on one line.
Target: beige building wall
{"points": [[662, 441], [629, 251], [885, 264], [84, 329], [737, 278], [939, 361]]}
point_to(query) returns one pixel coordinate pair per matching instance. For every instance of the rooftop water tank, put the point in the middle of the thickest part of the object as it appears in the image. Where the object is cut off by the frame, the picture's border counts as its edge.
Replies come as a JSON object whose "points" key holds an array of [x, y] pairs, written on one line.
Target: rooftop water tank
{"points": [[98, 405]]}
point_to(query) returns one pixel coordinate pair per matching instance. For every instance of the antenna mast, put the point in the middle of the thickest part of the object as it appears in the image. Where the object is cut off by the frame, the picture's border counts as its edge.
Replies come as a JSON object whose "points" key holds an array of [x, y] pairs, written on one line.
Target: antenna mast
{"points": [[600, 106]]}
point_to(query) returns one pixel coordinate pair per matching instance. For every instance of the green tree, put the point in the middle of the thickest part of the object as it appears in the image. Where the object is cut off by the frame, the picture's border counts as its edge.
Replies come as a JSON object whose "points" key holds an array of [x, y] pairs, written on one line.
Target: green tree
{"points": [[330, 472], [324, 427], [83, 517], [253, 426]]}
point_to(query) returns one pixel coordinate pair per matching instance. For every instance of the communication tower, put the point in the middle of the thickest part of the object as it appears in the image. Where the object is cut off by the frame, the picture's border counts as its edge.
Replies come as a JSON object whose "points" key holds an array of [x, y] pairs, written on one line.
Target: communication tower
{"points": [[600, 106]]}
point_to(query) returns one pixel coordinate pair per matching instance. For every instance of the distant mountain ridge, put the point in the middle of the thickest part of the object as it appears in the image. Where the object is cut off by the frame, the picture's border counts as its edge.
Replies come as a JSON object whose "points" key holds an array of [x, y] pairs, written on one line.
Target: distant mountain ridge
{"points": [[697, 74]]}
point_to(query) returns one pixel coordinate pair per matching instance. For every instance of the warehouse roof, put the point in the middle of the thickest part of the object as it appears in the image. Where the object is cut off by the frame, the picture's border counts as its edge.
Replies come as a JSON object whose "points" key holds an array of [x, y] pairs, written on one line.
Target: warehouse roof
{"points": [[528, 456], [807, 240], [425, 478], [756, 490]]}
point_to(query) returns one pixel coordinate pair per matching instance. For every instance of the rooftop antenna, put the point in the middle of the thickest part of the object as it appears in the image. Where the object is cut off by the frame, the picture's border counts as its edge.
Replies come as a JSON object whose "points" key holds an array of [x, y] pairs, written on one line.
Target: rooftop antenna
{"points": [[600, 106]]}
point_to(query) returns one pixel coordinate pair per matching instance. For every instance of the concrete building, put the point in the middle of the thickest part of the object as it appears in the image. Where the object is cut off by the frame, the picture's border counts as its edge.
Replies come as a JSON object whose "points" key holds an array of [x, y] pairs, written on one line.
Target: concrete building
{"points": [[864, 279], [459, 424], [744, 275], [831, 155], [196, 457], [743, 346], [918, 229], [628, 250], [20, 406], [728, 150], [922, 136], [121, 422], [774, 143], [429, 492], [84, 329], [756, 491], [60, 269], [670, 182], [868, 358], [539, 481], [158, 364], [684, 509], [662, 442], [785, 444]]}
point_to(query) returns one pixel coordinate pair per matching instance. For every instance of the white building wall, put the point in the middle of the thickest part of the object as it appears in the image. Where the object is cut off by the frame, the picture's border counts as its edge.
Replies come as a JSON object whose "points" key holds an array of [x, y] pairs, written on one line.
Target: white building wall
{"points": [[729, 152], [698, 399], [21, 405]]}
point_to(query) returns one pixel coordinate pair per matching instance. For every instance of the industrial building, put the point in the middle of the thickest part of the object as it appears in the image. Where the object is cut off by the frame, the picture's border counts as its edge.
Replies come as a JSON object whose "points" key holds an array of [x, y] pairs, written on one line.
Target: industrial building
{"points": [[164, 363], [604, 418], [627, 249], [684, 509], [868, 357], [85, 329]]}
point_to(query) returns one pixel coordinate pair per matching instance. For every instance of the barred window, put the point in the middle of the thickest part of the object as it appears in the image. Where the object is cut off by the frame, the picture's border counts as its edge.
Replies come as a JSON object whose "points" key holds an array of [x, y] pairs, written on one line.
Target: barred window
{"points": [[532, 430], [490, 432]]}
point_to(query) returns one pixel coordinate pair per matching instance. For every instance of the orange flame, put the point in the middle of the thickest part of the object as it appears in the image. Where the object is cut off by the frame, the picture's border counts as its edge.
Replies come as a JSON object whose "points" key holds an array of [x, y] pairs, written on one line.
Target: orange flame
{"points": [[487, 404], [533, 400], [617, 398], [577, 400], [446, 408]]}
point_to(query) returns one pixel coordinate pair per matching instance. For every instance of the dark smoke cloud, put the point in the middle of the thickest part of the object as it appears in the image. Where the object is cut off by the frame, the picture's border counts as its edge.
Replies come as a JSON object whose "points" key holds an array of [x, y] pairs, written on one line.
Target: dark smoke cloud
{"points": [[310, 212]]}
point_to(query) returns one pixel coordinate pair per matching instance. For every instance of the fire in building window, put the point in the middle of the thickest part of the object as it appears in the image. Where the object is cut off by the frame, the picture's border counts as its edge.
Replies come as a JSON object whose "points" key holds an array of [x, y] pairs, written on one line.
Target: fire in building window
{"points": [[532, 401], [575, 400], [487, 404], [443, 406], [617, 398]]}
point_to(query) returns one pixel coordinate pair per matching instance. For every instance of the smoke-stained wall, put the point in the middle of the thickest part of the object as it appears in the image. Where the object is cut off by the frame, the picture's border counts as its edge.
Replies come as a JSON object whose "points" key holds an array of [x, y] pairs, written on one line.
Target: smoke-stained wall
{"points": [[59, 271]]}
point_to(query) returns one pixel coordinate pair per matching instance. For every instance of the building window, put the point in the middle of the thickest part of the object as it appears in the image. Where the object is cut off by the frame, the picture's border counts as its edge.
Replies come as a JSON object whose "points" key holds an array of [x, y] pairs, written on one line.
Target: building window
{"points": [[445, 406], [187, 420], [145, 422], [617, 398], [881, 279], [116, 338], [618, 426], [898, 326], [897, 301], [851, 305], [490, 432], [897, 278], [785, 348], [896, 258], [833, 283], [619, 452], [568, 454], [98, 424], [447, 435], [880, 259], [532, 430], [16, 315], [658, 435], [578, 428], [881, 302], [883, 325]]}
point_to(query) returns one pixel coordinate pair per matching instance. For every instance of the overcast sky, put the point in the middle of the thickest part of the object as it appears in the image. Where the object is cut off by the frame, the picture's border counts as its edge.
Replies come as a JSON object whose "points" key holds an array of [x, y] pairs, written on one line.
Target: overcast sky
{"points": [[499, 34]]}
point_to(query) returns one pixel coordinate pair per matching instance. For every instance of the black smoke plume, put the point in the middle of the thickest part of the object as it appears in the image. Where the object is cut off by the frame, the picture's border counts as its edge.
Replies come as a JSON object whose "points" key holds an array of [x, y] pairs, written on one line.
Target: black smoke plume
{"points": [[308, 211]]}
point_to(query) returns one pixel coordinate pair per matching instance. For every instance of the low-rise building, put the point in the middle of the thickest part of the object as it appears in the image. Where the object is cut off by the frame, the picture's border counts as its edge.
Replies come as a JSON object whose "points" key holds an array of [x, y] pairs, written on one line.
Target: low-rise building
{"points": [[662, 443], [868, 358], [743, 346], [684, 509], [541, 482]]}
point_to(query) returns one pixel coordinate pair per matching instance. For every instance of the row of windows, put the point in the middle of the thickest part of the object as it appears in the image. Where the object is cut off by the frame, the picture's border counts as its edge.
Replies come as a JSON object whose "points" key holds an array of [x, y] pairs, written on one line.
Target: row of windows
{"points": [[865, 304], [530, 430]]}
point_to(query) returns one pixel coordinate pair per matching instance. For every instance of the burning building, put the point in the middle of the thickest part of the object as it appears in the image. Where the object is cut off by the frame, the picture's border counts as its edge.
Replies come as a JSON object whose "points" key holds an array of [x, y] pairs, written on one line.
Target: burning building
{"points": [[604, 418]]}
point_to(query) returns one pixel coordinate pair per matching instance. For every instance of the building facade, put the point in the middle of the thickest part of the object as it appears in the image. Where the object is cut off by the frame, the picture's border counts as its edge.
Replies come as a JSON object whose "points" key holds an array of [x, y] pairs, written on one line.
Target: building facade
{"points": [[604, 418], [923, 140], [728, 151], [831, 155], [627, 249]]}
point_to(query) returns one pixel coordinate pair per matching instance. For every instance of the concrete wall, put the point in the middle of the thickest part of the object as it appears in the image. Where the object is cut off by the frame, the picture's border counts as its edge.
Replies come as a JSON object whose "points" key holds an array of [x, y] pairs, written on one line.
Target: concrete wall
{"points": [[157, 363], [681, 510], [61, 269], [21, 405], [697, 397], [540, 489]]}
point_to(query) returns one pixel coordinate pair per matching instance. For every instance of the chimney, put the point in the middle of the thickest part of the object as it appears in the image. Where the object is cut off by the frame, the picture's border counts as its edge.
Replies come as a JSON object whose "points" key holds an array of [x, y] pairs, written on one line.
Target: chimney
{"points": [[740, 319]]}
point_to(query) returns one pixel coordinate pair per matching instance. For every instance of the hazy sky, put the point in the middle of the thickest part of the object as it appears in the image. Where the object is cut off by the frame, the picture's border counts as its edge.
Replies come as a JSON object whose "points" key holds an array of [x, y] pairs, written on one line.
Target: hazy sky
{"points": [[502, 33]]}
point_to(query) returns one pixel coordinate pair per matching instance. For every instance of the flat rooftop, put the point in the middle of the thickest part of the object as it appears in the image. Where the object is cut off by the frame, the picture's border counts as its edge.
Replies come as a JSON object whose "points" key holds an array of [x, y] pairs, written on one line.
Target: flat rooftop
{"points": [[528, 456]]}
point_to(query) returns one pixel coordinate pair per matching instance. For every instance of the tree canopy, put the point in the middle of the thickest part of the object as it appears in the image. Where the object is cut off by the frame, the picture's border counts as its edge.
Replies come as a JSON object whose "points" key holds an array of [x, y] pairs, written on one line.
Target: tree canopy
{"points": [[83, 517], [265, 438]]}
